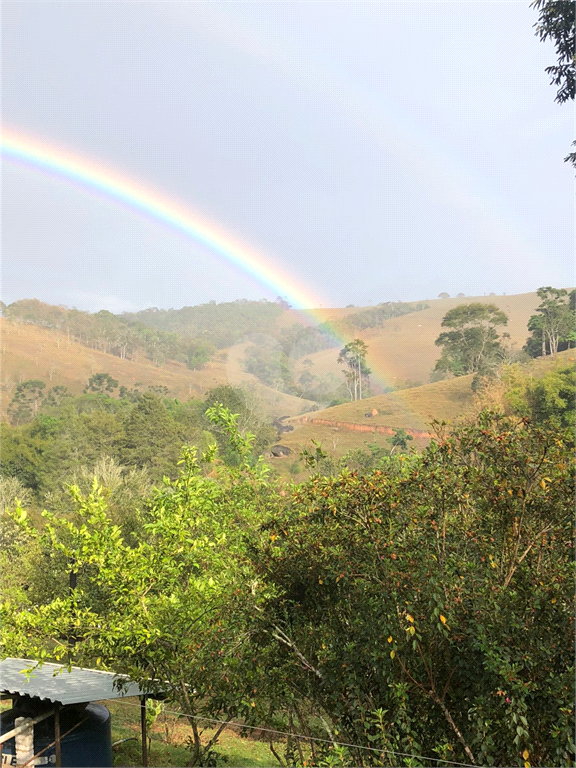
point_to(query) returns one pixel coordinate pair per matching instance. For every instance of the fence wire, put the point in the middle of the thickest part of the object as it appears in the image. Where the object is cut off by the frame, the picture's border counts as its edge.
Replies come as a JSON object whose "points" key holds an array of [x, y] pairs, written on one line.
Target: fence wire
{"points": [[302, 736]]}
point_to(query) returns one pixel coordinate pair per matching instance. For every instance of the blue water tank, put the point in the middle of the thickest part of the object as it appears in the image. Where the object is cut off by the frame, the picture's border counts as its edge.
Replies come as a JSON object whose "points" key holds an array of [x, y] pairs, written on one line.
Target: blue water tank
{"points": [[89, 745]]}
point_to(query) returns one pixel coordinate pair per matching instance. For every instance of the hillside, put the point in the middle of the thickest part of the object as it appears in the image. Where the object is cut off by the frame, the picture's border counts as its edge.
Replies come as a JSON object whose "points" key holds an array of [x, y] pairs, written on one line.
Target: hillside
{"points": [[31, 352], [410, 409], [403, 351]]}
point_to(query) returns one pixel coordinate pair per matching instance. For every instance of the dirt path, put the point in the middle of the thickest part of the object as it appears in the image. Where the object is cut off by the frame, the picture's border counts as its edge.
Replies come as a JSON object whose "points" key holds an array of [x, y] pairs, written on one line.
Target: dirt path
{"points": [[381, 429]]}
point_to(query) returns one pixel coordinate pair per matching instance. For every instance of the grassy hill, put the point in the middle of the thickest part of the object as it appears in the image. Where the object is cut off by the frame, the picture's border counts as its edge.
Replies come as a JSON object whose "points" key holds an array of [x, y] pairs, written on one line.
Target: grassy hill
{"points": [[402, 351], [409, 409], [31, 352]]}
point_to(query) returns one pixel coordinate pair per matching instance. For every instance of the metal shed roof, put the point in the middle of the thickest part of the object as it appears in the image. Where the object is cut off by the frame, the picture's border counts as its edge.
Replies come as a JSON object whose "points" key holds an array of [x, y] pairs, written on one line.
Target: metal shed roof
{"points": [[53, 682]]}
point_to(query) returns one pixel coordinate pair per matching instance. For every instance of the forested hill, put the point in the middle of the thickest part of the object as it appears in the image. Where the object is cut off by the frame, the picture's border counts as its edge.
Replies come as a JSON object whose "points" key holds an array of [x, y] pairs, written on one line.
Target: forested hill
{"points": [[221, 325], [189, 335], [192, 334]]}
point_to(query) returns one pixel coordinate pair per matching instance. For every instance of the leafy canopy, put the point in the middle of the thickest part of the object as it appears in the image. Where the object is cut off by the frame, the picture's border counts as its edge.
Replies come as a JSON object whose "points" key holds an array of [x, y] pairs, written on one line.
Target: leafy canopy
{"points": [[553, 326], [473, 344]]}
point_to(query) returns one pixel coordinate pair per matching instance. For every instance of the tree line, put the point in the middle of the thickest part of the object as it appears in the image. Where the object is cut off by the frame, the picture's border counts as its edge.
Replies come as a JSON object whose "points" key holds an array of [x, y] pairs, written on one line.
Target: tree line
{"points": [[190, 335]]}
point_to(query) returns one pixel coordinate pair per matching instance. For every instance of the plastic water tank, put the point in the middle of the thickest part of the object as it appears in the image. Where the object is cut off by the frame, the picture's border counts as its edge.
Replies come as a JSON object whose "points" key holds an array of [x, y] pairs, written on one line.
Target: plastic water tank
{"points": [[89, 745]]}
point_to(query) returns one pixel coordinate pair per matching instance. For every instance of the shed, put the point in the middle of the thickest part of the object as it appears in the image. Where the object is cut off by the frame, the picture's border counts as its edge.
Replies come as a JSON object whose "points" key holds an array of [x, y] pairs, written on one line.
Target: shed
{"points": [[51, 688]]}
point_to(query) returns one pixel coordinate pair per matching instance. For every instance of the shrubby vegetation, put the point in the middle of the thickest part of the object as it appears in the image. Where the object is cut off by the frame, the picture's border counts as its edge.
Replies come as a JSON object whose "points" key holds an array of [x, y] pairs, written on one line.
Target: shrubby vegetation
{"points": [[421, 608], [143, 431], [548, 400]]}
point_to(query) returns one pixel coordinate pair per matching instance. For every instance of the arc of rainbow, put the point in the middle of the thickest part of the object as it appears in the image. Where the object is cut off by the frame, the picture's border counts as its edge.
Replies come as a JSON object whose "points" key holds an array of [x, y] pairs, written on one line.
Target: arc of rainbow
{"points": [[133, 194], [113, 185]]}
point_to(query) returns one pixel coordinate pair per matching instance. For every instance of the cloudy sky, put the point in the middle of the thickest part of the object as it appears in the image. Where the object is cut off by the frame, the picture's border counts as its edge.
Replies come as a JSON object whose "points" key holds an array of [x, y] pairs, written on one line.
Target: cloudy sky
{"points": [[373, 151]]}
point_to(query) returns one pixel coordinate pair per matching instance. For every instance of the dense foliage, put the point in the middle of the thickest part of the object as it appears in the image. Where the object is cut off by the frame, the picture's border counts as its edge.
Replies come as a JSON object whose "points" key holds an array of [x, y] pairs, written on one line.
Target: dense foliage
{"points": [[424, 608], [553, 326], [431, 607], [472, 344], [141, 430]]}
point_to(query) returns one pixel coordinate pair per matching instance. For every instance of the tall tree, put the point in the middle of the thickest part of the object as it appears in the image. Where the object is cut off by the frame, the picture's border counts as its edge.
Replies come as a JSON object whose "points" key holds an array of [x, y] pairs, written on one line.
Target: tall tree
{"points": [[354, 356], [473, 344], [26, 401], [552, 327], [152, 438], [101, 383]]}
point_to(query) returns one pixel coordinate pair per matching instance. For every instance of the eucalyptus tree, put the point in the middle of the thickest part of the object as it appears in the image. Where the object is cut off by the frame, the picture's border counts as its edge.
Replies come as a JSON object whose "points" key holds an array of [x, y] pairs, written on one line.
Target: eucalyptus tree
{"points": [[552, 327], [354, 357]]}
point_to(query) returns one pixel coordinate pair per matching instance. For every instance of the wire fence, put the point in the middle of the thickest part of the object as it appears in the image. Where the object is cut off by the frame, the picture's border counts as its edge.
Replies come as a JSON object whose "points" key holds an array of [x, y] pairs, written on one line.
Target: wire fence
{"points": [[292, 735]]}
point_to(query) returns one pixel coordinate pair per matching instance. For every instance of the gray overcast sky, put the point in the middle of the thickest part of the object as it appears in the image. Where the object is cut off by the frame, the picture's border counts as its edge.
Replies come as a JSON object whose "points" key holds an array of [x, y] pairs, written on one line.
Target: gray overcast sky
{"points": [[375, 150]]}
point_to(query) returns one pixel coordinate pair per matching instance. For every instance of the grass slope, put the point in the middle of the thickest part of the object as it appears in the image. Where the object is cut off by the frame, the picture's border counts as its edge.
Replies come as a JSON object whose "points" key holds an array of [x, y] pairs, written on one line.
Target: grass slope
{"points": [[407, 409], [413, 408], [31, 352], [403, 350], [169, 741]]}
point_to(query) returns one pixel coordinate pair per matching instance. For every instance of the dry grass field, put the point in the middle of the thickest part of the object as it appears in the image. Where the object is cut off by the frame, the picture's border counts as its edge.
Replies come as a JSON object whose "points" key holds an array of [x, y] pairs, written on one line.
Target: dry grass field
{"points": [[403, 350], [407, 409], [31, 352]]}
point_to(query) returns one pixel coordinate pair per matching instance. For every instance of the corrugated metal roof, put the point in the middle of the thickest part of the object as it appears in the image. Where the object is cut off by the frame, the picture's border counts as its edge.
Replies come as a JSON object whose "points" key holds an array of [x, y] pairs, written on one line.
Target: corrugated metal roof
{"points": [[54, 683]]}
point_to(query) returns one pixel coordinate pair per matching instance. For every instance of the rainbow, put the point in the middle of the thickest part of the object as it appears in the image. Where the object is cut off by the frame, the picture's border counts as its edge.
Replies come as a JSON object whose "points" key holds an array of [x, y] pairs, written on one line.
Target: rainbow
{"points": [[113, 185], [116, 186]]}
